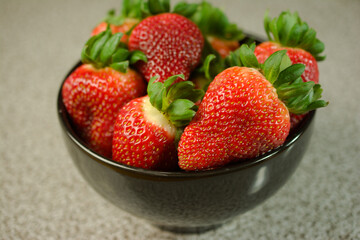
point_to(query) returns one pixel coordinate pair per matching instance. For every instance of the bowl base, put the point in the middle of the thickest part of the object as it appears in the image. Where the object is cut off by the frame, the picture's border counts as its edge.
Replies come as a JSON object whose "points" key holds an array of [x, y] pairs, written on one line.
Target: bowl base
{"points": [[187, 229]]}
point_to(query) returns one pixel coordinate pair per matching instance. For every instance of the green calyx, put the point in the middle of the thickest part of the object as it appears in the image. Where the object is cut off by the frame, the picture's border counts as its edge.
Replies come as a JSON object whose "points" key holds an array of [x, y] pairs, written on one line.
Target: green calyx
{"points": [[298, 96], [158, 6], [106, 50], [136, 9], [289, 30], [141, 9], [175, 100], [130, 9], [211, 20]]}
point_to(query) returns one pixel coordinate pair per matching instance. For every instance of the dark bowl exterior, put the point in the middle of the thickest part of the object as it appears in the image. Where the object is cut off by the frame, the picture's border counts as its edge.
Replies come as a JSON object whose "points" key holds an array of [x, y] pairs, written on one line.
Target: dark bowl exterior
{"points": [[188, 201]]}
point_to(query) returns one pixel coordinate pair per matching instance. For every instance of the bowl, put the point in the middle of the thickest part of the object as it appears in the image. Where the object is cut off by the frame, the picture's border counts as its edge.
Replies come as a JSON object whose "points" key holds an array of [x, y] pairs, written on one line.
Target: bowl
{"points": [[188, 201]]}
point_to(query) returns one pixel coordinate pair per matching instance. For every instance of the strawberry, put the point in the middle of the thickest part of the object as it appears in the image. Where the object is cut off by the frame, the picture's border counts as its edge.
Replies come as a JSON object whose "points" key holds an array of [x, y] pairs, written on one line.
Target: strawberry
{"points": [[295, 119], [291, 33], [143, 137], [311, 73], [171, 43], [146, 130], [245, 111], [94, 92], [223, 46], [131, 14]]}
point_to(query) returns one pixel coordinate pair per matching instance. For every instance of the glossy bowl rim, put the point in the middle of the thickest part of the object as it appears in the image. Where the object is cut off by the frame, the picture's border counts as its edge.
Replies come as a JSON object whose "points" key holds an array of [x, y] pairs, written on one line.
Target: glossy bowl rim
{"points": [[63, 116]]}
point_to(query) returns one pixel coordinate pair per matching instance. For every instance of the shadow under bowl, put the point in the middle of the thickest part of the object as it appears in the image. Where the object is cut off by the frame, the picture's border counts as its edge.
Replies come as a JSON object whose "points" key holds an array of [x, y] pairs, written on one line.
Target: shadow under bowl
{"points": [[188, 201]]}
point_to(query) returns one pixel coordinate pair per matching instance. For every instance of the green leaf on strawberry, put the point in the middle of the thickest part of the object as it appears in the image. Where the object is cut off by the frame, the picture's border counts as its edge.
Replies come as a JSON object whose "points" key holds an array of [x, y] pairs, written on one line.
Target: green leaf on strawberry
{"points": [[221, 36], [289, 30], [159, 6], [186, 9], [120, 55], [181, 112], [137, 9], [120, 66], [292, 72], [211, 20], [175, 100], [246, 56], [106, 50], [137, 55], [130, 9], [109, 47], [271, 67]]}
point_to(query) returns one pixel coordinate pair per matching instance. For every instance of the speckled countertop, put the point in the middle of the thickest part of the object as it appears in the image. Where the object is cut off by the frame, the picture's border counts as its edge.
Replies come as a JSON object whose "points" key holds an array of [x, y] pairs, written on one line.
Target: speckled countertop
{"points": [[42, 195]]}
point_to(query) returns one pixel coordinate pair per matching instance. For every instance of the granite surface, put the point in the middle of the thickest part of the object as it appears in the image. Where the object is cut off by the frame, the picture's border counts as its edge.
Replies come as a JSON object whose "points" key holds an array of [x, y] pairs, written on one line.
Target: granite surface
{"points": [[43, 196]]}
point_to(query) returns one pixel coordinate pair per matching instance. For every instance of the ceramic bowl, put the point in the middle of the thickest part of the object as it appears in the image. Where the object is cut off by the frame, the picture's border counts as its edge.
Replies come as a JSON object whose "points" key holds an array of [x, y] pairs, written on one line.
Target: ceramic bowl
{"points": [[188, 201]]}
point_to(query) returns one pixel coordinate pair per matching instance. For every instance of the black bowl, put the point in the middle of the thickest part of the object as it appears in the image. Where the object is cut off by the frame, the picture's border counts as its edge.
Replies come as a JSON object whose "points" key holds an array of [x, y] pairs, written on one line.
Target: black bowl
{"points": [[188, 201]]}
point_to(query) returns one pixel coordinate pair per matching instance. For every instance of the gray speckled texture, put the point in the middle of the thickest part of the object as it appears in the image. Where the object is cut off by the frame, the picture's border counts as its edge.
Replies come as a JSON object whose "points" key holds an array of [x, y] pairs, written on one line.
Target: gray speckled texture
{"points": [[42, 196]]}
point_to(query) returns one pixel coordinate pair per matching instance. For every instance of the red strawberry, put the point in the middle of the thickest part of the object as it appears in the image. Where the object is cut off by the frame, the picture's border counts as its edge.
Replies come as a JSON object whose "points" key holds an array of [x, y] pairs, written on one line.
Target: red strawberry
{"points": [[95, 91], [296, 55], [295, 119], [222, 46], [171, 43], [291, 33], [245, 112], [143, 137], [146, 128]]}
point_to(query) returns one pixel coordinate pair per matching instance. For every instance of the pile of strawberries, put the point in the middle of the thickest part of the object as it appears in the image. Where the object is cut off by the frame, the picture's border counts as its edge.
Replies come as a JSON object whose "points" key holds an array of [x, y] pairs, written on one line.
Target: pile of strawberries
{"points": [[174, 90]]}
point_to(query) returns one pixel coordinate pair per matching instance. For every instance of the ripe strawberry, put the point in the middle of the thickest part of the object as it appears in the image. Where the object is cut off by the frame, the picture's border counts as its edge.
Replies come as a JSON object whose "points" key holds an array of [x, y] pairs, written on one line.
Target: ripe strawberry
{"points": [[223, 46], [291, 33], [171, 43], [147, 128], [295, 119], [95, 91], [296, 55], [245, 111]]}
